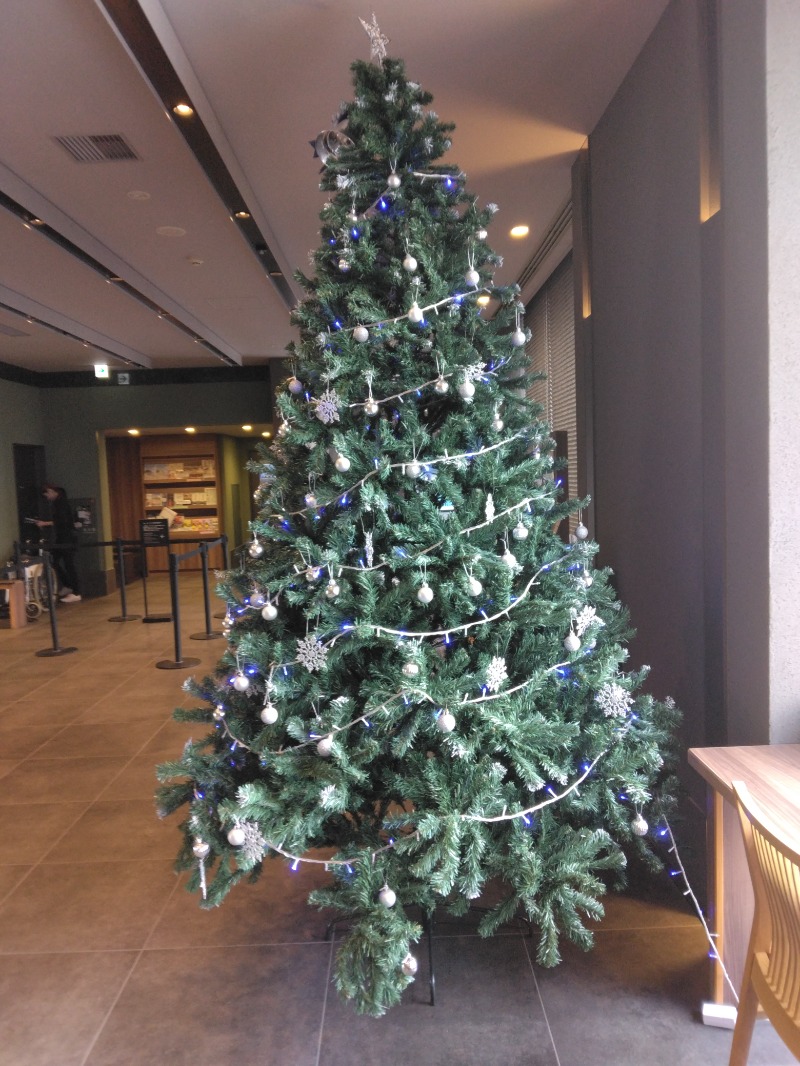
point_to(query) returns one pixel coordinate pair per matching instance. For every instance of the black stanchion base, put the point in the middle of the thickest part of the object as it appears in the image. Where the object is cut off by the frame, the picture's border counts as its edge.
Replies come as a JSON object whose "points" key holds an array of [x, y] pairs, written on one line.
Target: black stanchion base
{"points": [[46, 653], [205, 636], [157, 618], [169, 664], [124, 618]]}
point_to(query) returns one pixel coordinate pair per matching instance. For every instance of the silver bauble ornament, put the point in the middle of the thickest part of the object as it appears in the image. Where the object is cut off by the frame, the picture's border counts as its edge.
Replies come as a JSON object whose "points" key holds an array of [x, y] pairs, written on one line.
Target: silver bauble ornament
{"points": [[269, 612], [332, 590], [581, 532], [219, 713], [344, 265], [283, 429], [241, 683], [572, 641], [586, 579], [371, 408], [445, 723], [412, 469], [200, 849], [257, 600], [481, 234], [466, 389], [639, 826], [312, 573], [415, 313], [472, 277], [269, 714], [342, 464], [325, 746], [520, 531], [475, 587], [295, 386], [393, 181], [310, 499], [361, 334], [387, 897], [425, 593], [236, 837], [255, 550], [409, 965], [497, 423], [518, 338], [410, 669], [441, 385], [510, 559], [410, 264]]}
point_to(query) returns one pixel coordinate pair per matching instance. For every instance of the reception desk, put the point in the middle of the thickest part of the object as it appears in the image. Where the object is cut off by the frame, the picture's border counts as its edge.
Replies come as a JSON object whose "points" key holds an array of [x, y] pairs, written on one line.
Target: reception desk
{"points": [[772, 774]]}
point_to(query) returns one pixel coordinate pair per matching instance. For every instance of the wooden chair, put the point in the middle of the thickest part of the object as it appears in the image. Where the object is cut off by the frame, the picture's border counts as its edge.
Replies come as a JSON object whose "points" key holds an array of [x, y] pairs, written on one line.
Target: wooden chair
{"points": [[772, 966]]}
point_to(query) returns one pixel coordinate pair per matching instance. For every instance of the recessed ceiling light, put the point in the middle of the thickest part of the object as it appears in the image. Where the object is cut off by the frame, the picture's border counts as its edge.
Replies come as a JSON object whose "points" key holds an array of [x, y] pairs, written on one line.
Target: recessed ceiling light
{"points": [[520, 231], [138, 194], [134, 432], [171, 231], [241, 214], [247, 428], [266, 433], [190, 429], [184, 110]]}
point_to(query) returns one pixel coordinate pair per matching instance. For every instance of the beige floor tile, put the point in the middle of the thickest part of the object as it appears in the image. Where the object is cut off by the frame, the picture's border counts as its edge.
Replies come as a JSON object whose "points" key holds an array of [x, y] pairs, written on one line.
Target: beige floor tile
{"points": [[109, 738], [50, 780], [115, 831], [31, 831]]}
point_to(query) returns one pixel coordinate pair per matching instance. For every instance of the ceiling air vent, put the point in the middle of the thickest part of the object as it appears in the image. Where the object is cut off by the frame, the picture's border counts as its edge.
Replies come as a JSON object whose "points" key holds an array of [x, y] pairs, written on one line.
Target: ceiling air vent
{"points": [[97, 147]]}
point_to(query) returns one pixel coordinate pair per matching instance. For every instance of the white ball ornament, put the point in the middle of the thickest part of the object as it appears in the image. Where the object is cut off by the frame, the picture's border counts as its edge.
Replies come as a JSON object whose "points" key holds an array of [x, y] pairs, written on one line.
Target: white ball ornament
{"points": [[409, 966], [510, 559], [241, 683], [518, 338], [312, 574], [255, 550], [283, 429], [466, 390], [200, 849], [219, 713], [572, 641], [361, 334], [581, 532], [332, 590], [387, 897], [342, 464], [310, 500], [441, 385], [236, 837], [475, 587], [413, 469], [410, 669], [472, 277], [410, 264], [425, 593], [394, 181], [481, 234], [446, 722], [269, 714], [371, 408], [520, 531], [344, 265], [639, 826], [325, 746], [497, 423], [257, 600], [295, 386], [269, 612], [416, 313]]}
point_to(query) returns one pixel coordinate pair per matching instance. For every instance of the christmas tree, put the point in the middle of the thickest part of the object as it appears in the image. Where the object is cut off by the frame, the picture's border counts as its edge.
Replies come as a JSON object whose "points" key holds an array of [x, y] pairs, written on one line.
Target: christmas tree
{"points": [[422, 677]]}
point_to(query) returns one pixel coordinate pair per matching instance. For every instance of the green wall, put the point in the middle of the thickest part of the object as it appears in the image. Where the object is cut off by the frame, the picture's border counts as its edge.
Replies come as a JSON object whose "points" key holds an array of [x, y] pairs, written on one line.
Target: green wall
{"points": [[21, 422]]}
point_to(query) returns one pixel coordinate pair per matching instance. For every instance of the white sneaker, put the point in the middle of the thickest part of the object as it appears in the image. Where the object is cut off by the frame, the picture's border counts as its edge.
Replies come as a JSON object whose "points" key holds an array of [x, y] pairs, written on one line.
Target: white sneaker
{"points": [[71, 597]]}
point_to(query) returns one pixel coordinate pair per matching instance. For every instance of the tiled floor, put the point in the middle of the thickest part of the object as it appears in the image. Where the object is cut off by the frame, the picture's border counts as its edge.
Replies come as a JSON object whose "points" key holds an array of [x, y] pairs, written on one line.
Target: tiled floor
{"points": [[105, 959]]}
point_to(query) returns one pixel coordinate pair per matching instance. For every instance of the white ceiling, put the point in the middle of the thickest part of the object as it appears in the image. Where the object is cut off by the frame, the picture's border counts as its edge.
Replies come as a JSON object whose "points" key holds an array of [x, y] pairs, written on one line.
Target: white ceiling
{"points": [[525, 81]]}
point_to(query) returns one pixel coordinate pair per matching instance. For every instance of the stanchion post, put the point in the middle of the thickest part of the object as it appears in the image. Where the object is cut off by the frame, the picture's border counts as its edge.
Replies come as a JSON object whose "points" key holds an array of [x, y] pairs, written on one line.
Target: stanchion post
{"points": [[179, 662], [226, 564], [124, 617], [51, 599], [209, 632]]}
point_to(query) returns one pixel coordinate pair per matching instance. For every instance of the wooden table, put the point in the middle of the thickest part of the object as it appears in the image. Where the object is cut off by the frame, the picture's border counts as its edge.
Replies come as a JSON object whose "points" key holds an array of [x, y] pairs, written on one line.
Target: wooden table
{"points": [[16, 602], [772, 773]]}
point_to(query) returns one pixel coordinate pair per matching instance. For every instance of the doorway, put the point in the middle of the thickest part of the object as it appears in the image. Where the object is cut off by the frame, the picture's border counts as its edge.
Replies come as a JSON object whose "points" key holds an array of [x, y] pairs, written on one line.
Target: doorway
{"points": [[29, 476]]}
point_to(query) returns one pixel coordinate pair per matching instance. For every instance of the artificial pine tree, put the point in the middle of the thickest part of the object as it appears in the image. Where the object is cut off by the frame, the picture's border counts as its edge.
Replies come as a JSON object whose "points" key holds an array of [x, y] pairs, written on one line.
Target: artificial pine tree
{"points": [[421, 677]]}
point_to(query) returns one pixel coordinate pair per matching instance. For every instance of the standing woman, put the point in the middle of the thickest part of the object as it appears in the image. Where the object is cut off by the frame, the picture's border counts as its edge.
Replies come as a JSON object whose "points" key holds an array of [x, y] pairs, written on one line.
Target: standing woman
{"points": [[63, 535]]}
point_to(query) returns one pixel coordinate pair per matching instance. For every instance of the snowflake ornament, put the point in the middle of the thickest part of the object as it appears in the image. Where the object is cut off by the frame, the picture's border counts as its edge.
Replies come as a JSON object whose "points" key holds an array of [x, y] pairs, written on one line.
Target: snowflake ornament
{"points": [[474, 372], [490, 511], [327, 407], [585, 618], [496, 673], [614, 700], [252, 849], [311, 653]]}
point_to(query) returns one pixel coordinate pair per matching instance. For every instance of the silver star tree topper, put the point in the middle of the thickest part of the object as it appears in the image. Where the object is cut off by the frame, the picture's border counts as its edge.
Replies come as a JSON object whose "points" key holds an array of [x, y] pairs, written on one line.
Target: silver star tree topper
{"points": [[377, 39]]}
